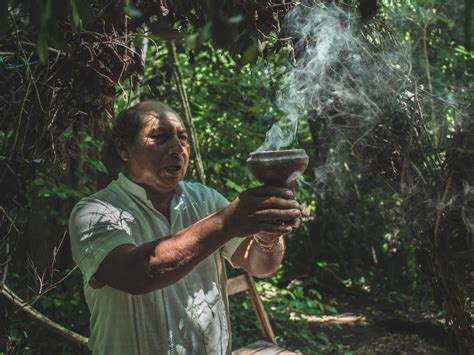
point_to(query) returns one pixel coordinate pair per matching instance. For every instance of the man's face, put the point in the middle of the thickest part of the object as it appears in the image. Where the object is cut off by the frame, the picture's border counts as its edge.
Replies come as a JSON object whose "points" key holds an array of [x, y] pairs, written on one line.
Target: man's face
{"points": [[160, 156]]}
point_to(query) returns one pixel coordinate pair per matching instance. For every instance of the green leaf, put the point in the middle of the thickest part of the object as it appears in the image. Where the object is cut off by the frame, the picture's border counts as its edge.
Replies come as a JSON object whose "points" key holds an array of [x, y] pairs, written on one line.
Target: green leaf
{"points": [[201, 36], [461, 49], [58, 302], [68, 133], [39, 181], [45, 12], [44, 192], [191, 40], [85, 11], [323, 337], [98, 165], [234, 186], [42, 48], [165, 30], [75, 17], [205, 33], [132, 11], [250, 54], [235, 19]]}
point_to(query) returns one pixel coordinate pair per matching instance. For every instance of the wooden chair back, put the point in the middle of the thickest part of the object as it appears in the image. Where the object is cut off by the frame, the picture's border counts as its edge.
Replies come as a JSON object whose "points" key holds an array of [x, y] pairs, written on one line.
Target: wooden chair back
{"points": [[245, 282]]}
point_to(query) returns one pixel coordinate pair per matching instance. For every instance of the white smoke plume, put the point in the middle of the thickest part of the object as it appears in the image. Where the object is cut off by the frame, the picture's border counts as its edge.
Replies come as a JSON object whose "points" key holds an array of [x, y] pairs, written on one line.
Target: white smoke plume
{"points": [[337, 73]]}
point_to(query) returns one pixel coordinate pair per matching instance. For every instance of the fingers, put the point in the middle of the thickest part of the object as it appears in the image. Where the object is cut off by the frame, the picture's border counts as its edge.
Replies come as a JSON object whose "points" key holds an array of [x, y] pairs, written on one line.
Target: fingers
{"points": [[268, 209], [305, 212], [274, 214], [295, 222], [278, 203], [276, 191], [276, 197], [275, 229]]}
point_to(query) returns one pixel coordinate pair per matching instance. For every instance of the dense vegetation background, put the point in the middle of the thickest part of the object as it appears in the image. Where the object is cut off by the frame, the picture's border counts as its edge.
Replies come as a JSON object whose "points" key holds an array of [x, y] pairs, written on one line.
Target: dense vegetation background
{"points": [[67, 69]]}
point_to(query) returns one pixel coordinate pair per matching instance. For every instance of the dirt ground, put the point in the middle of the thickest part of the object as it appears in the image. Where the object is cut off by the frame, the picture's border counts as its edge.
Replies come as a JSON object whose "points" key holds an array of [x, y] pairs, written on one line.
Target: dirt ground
{"points": [[365, 325]]}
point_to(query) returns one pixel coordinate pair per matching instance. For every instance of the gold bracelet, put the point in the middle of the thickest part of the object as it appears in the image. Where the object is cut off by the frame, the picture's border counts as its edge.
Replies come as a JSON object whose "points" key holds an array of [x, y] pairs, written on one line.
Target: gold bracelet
{"points": [[266, 247]]}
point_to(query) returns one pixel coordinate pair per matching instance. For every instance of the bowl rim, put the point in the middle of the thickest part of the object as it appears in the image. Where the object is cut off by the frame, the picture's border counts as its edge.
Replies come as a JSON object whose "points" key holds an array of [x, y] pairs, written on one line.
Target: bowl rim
{"points": [[278, 154]]}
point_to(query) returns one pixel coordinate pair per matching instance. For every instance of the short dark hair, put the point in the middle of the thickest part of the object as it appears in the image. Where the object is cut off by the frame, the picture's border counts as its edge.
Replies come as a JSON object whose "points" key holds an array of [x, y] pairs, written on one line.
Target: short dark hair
{"points": [[127, 126]]}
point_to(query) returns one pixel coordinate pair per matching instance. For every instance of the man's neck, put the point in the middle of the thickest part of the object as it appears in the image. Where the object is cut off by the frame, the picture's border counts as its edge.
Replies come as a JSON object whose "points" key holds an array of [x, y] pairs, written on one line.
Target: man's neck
{"points": [[160, 200]]}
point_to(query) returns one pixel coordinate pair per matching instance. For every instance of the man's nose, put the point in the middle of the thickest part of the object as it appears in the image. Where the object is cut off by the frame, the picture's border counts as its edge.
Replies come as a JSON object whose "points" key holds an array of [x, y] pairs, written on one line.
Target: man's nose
{"points": [[175, 145]]}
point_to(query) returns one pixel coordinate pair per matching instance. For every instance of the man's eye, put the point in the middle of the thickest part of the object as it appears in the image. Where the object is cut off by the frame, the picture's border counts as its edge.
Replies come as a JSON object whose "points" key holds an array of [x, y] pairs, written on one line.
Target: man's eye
{"points": [[183, 137], [159, 136]]}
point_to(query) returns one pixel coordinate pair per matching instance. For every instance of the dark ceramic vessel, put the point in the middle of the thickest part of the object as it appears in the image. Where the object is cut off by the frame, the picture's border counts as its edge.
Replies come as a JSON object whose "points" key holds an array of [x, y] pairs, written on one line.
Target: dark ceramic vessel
{"points": [[278, 167]]}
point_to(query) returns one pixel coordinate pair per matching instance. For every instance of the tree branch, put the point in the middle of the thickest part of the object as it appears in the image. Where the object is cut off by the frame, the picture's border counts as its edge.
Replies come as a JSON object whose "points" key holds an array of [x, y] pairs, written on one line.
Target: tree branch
{"points": [[187, 116], [48, 323]]}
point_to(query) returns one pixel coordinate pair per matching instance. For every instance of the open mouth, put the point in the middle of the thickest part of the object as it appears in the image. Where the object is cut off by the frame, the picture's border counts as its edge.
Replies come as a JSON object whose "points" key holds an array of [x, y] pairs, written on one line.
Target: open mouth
{"points": [[172, 169]]}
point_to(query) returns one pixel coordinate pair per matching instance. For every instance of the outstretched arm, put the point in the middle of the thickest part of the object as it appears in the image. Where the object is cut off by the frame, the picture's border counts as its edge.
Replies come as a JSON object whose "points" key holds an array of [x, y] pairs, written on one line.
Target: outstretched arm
{"points": [[160, 263]]}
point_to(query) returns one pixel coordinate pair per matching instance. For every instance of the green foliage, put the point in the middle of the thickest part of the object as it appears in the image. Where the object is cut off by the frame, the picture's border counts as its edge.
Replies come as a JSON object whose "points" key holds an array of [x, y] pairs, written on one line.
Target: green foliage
{"points": [[83, 182], [225, 24], [289, 311], [231, 110], [48, 16], [65, 305], [356, 233], [433, 31]]}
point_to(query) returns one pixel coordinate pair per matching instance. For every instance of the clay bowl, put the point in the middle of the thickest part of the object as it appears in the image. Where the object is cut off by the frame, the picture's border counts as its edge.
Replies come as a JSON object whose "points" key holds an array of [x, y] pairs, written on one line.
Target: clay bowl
{"points": [[278, 167]]}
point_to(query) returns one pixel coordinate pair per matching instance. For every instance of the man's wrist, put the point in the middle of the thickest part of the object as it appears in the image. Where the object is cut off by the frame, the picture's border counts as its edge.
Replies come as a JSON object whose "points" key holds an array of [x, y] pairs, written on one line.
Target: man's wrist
{"points": [[266, 246]]}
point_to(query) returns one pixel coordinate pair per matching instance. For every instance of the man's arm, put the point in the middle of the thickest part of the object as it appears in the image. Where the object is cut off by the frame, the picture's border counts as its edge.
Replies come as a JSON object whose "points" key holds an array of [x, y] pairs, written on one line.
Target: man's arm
{"points": [[157, 264]]}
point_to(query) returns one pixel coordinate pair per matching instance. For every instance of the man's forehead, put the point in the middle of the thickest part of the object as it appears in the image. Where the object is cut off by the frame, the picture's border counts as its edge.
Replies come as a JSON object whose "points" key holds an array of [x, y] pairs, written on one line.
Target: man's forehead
{"points": [[162, 119]]}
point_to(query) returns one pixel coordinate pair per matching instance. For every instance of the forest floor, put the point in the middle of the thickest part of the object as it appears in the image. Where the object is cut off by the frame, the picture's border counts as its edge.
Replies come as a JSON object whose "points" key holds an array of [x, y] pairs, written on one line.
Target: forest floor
{"points": [[365, 324]]}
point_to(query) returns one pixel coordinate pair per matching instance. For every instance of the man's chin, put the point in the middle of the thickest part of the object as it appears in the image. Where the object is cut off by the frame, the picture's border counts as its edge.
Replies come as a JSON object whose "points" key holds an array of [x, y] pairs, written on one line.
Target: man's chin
{"points": [[171, 175], [169, 181]]}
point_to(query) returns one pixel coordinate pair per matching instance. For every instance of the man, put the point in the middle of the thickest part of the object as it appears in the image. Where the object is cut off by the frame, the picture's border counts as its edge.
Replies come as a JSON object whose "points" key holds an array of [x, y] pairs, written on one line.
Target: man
{"points": [[150, 246]]}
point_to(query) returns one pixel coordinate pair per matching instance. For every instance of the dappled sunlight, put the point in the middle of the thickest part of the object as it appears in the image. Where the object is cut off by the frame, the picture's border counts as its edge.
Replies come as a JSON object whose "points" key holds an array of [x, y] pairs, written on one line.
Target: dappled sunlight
{"points": [[343, 318]]}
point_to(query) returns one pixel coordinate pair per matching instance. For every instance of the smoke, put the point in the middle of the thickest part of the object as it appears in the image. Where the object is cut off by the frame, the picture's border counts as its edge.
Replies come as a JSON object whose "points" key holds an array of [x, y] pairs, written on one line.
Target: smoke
{"points": [[336, 73], [358, 81]]}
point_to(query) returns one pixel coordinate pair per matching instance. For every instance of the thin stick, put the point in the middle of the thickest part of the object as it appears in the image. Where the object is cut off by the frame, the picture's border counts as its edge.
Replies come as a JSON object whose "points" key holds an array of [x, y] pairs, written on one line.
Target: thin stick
{"points": [[48, 323], [188, 119]]}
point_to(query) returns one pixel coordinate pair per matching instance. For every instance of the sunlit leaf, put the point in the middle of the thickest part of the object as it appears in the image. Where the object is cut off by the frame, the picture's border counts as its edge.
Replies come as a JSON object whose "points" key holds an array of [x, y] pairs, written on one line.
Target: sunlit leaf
{"points": [[98, 165], [233, 185], [235, 19]]}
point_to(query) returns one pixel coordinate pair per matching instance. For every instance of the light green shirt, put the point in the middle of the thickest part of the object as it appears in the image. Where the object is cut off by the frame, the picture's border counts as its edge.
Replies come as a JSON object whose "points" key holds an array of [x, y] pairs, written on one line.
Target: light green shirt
{"points": [[188, 317]]}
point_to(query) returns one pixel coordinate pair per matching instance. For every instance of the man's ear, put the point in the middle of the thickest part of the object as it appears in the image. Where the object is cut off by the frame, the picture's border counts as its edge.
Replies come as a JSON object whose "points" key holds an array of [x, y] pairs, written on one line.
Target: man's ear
{"points": [[122, 149]]}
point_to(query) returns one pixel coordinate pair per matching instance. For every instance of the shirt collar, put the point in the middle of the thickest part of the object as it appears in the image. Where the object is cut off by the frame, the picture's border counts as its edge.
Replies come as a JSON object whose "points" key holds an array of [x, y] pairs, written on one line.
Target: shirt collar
{"points": [[138, 191]]}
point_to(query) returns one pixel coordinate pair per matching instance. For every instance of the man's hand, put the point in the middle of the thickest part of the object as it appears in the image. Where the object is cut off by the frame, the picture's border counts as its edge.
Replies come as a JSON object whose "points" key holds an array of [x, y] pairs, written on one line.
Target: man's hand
{"points": [[267, 209], [270, 238]]}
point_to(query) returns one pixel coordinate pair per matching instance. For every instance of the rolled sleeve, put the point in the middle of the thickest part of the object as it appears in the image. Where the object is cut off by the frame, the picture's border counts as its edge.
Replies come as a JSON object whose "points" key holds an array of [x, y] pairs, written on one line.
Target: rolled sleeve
{"points": [[96, 228], [229, 249]]}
